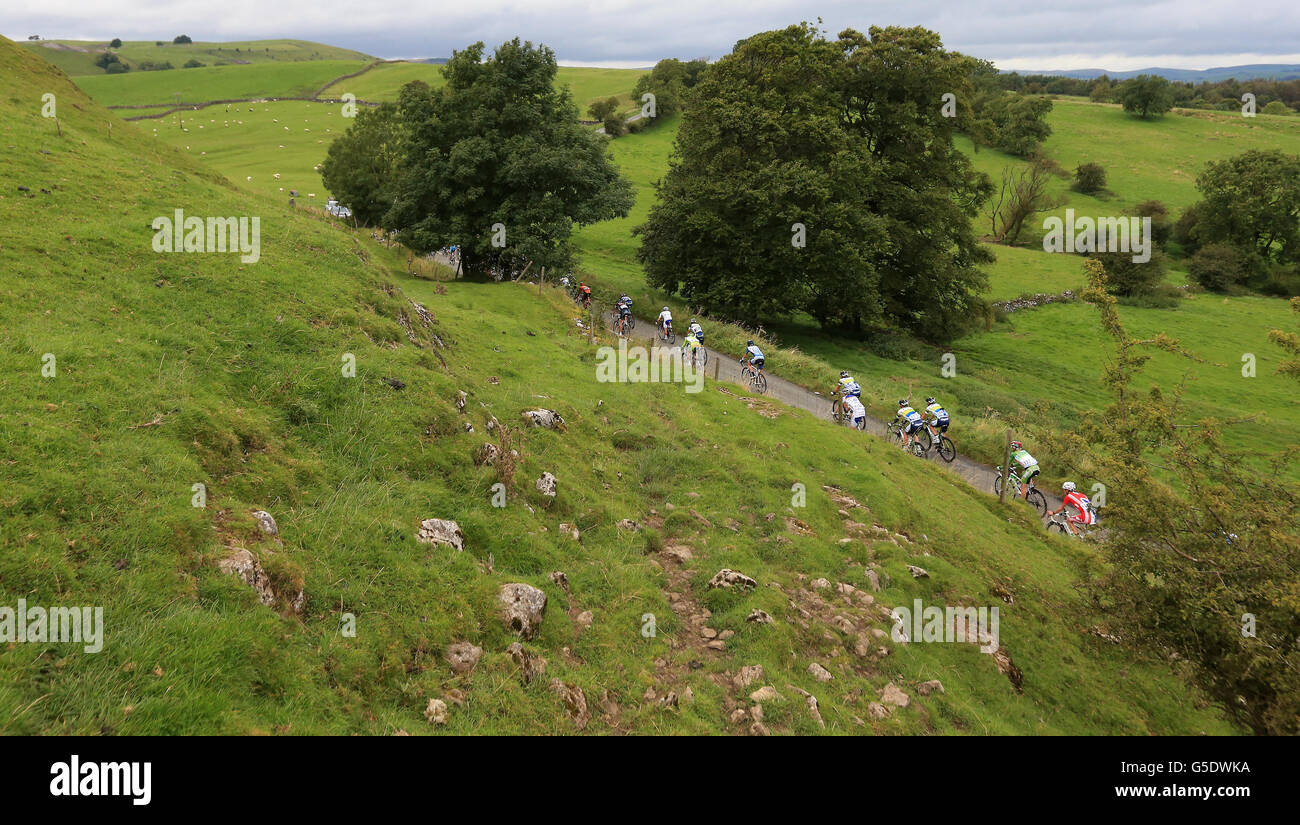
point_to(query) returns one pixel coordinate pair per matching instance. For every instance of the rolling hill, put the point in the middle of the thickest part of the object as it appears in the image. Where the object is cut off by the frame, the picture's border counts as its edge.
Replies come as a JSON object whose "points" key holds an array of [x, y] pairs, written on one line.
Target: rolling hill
{"points": [[132, 376], [77, 57]]}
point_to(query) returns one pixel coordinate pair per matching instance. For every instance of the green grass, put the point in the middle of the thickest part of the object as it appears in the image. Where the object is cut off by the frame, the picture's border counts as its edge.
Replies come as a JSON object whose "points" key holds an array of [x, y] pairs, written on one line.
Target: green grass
{"points": [[587, 84], [77, 57], [215, 83], [239, 365]]}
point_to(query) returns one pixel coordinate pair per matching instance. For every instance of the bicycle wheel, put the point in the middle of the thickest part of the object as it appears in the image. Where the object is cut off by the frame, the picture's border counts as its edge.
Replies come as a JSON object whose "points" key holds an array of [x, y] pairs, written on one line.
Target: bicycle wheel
{"points": [[702, 357], [1056, 526], [759, 383], [946, 449], [861, 424], [997, 485], [1037, 500], [631, 323]]}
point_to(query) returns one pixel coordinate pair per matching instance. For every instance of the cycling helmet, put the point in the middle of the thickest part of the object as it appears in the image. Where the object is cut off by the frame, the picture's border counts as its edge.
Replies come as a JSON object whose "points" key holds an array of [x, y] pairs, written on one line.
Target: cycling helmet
{"points": [[665, 309], [929, 400], [1016, 445], [749, 343], [902, 402], [1068, 486], [844, 373], [692, 320]]}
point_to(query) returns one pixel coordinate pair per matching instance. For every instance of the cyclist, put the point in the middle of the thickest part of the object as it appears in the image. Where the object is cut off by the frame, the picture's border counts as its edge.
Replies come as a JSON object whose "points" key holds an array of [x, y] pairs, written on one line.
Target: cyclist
{"points": [[691, 348], [845, 389], [1078, 501], [624, 314], [584, 293], [1028, 466], [936, 418], [696, 330], [564, 282], [855, 413], [911, 421], [753, 356], [665, 322]]}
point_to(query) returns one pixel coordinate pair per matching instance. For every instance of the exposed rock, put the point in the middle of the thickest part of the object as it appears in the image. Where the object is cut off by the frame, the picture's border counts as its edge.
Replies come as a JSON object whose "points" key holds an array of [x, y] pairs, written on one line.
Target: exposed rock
{"points": [[469, 428], [819, 673], [767, 693], [463, 656], [918, 572], [570, 531], [436, 712], [562, 580], [873, 578], [441, 531], [701, 519], [523, 608], [729, 578], [758, 729], [242, 563], [266, 523], [759, 617], [814, 710], [544, 418], [531, 665], [877, 711], [893, 695], [585, 619], [575, 702], [628, 524], [820, 584], [932, 686], [546, 485], [460, 401], [680, 552], [748, 675], [454, 696]]}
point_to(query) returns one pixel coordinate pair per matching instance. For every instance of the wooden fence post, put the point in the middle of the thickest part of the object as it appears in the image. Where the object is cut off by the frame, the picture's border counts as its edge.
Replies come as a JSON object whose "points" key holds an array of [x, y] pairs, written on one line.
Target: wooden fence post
{"points": [[1006, 469]]}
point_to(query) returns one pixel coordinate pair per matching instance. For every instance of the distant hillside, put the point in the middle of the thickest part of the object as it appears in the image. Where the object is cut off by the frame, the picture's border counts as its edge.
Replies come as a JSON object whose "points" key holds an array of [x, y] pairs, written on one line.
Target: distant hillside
{"points": [[1253, 71], [77, 57]]}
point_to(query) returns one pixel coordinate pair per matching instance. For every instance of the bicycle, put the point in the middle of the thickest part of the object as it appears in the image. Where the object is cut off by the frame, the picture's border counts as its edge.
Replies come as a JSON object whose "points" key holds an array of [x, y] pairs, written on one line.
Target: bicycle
{"points": [[667, 335], [754, 377], [1034, 498], [840, 415], [941, 443], [622, 325], [698, 356], [1058, 523], [895, 428]]}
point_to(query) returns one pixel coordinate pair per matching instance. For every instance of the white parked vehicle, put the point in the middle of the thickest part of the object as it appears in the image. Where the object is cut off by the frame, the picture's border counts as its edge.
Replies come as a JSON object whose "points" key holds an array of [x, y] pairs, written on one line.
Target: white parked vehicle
{"points": [[337, 210]]}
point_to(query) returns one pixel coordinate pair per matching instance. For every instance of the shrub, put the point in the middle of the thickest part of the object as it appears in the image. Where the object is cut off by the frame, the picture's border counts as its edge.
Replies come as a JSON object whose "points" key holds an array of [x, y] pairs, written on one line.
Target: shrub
{"points": [[615, 126], [116, 44], [182, 38], [1127, 277], [1217, 267], [1161, 228], [192, 64], [1089, 178], [1276, 107]]}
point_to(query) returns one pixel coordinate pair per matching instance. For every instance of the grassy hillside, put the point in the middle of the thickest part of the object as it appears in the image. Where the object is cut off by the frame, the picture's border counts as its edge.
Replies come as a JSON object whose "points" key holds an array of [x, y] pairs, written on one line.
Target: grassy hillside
{"points": [[178, 369], [77, 57], [587, 84], [215, 83]]}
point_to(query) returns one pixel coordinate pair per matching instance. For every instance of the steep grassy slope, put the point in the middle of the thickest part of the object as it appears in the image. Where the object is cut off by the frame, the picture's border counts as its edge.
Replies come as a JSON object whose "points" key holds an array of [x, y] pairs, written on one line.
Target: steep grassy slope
{"points": [[180, 369], [77, 57], [215, 83]]}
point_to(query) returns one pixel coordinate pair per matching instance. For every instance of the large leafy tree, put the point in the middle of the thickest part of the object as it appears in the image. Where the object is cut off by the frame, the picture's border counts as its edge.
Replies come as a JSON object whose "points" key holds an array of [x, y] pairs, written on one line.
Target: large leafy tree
{"points": [[844, 138], [1146, 95], [500, 146], [1252, 202], [360, 165]]}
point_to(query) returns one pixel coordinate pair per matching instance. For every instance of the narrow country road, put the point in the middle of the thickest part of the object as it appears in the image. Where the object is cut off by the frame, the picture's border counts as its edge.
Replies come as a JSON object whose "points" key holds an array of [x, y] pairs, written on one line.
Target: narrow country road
{"points": [[980, 476]]}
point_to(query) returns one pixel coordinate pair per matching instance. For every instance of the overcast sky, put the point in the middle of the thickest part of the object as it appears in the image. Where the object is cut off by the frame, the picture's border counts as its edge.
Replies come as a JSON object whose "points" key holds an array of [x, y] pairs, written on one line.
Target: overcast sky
{"points": [[1014, 34]]}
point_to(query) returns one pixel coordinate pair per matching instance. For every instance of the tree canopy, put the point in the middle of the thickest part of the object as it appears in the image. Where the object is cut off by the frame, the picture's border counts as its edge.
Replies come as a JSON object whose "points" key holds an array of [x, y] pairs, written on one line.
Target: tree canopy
{"points": [[819, 175], [495, 161]]}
